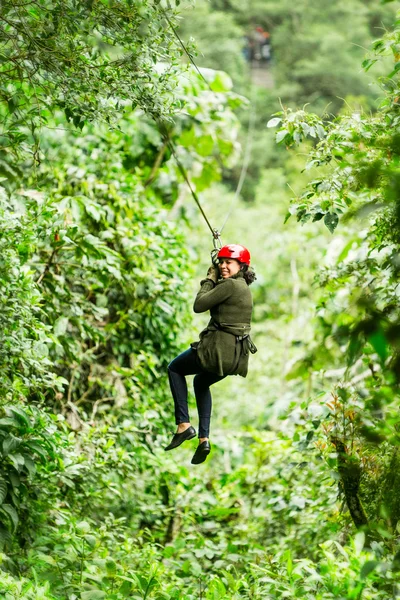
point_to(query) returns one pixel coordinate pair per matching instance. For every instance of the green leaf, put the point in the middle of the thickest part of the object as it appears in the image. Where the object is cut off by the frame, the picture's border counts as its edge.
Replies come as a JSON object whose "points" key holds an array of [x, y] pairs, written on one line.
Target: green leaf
{"points": [[5, 536], [37, 447], [367, 568], [10, 443], [379, 344], [281, 135], [221, 82], [91, 540], [83, 527], [12, 513], [396, 561], [6, 422], [3, 490], [331, 220], [204, 145], [17, 461], [60, 326], [20, 415], [15, 480], [93, 595], [30, 465], [320, 131], [125, 589], [274, 122], [368, 63], [111, 568], [287, 217], [93, 211], [395, 70]]}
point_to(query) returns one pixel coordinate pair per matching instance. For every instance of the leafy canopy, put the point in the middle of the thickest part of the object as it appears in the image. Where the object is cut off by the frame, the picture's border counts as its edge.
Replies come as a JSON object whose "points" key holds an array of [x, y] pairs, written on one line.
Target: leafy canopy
{"points": [[94, 60]]}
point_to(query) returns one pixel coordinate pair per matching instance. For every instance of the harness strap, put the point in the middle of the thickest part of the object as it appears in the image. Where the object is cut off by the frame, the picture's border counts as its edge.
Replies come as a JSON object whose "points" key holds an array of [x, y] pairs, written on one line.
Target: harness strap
{"points": [[244, 338]]}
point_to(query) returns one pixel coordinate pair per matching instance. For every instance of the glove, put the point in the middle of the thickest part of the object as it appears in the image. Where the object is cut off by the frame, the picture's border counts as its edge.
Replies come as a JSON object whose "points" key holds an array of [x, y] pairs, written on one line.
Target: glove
{"points": [[214, 256], [213, 273]]}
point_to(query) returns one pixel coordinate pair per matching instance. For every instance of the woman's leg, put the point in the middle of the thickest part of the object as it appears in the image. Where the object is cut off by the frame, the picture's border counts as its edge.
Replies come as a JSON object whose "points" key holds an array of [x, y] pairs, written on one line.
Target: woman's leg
{"points": [[201, 384], [184, 364]]}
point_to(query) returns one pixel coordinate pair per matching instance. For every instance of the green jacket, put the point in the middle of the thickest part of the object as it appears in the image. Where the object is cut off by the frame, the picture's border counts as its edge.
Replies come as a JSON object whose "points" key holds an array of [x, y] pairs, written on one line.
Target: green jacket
{"points": [[225, 344]]}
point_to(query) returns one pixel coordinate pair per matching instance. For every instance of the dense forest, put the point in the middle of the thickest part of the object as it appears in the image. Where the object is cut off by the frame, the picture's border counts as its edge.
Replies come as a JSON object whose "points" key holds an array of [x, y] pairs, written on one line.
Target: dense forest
{"points": [[106, 106]]}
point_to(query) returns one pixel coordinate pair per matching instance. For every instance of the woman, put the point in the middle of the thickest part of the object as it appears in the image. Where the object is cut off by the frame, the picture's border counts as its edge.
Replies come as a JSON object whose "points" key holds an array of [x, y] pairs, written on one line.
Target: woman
{"points": [[224, 345]]}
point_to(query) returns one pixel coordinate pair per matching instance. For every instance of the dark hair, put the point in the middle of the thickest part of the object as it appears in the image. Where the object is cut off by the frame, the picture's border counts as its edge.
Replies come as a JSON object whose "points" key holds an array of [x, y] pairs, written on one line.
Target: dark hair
{"points": [[249, 274]]}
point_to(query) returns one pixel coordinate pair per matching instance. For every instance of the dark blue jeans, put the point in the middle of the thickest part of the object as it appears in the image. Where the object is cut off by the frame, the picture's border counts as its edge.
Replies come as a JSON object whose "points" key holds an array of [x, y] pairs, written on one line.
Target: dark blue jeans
{"points": [[187, 364]]}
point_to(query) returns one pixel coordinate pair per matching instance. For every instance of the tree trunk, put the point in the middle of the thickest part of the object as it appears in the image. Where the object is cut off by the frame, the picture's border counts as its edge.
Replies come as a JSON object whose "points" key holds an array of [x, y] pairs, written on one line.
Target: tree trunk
{"points": [[350, 474]]}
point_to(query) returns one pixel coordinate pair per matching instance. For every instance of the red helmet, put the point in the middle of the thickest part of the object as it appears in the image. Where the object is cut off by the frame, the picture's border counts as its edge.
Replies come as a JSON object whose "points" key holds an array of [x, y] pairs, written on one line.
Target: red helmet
{"points": [[235, 251]]}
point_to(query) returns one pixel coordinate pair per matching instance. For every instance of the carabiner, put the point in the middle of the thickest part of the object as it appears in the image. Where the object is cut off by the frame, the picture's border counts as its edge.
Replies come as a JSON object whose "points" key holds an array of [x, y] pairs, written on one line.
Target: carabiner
{"points": [[217, 247], [217, 239]]}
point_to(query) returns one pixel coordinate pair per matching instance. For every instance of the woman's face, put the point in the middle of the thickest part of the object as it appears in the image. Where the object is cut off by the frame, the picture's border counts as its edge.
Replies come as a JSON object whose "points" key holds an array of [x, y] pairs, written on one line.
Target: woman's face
{"points": [[228, 267]]}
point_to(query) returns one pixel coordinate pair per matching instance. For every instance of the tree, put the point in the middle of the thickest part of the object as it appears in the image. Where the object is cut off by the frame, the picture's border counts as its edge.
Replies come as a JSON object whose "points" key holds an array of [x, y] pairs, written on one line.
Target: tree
{"points": [[94, 60], [358, 155], [316, 56]]}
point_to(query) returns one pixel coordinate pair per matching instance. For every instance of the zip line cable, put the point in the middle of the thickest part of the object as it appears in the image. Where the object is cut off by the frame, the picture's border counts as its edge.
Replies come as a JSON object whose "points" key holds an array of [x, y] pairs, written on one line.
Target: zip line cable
{"points": [[246, 161], [195, 196], [167, 141], [186, 51]]}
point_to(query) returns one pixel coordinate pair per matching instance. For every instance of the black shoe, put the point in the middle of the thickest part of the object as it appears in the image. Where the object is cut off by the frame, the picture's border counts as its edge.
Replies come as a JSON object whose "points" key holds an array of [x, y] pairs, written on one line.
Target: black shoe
{"points": [[178, 438], [202, 451]]}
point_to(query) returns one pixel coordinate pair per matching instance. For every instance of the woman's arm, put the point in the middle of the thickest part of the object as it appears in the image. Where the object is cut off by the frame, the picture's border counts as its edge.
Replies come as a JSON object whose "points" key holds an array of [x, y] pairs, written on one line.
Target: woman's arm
{"points": [[209, 295]]}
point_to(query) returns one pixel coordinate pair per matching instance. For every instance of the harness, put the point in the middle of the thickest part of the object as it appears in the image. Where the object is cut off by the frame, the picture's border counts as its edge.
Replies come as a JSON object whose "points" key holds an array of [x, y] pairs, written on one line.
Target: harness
{"points": [[241, 331]]}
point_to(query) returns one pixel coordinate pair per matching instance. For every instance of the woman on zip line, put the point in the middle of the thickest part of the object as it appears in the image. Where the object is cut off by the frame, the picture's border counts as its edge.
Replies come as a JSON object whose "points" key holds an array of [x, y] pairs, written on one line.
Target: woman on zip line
{"points": [[224, 344]]}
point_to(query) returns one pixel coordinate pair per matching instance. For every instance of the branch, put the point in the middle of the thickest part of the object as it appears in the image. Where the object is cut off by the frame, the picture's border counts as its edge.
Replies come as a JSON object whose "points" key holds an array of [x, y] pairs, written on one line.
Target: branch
{"points": [[47, 267], [157, 164], [350, 474]]}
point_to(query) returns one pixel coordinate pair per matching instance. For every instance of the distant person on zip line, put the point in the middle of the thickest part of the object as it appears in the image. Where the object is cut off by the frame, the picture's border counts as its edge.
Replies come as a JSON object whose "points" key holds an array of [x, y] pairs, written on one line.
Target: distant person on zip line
{"points": [[224, 345], [259, 47]]}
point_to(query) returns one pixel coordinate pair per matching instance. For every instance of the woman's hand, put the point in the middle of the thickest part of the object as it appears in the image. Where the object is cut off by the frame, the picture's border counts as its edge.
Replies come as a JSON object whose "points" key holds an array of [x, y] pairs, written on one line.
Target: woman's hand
{"points": [[213, 273]]}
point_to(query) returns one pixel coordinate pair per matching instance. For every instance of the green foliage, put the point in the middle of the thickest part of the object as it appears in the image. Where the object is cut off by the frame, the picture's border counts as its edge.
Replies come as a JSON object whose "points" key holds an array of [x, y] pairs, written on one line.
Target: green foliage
{"points": [[96, 320], [310, 42], [218, 39], [109, 266], [174, 535], [342, 572], [23, 337], [22, 588], [316, 56], [316, 53], [95, 295], [94, 60], [358, 309], [28, 440], [28, 437]]}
